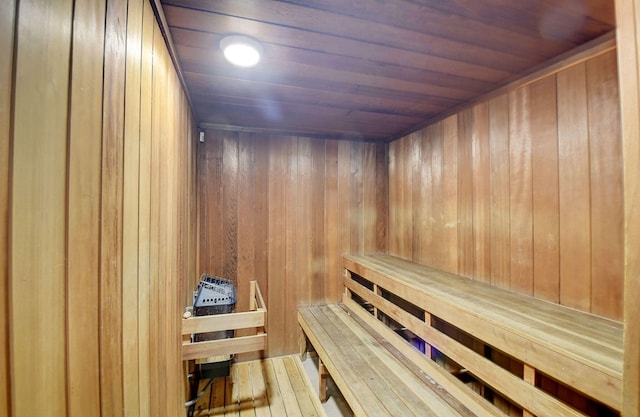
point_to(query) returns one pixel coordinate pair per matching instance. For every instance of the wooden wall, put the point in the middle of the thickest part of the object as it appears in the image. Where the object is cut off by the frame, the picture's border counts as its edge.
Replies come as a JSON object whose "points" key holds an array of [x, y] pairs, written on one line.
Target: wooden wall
{"points": [[282, 210], [628, 18], [97, 211], [523, 190]]}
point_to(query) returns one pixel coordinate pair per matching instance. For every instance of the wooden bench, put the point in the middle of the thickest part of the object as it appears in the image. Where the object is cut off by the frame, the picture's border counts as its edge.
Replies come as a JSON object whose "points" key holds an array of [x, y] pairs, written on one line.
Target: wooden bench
{"points": [[505, 344]]}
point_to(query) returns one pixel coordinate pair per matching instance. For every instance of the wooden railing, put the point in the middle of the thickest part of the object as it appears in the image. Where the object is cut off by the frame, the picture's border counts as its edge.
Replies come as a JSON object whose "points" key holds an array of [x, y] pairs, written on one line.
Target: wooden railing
{"points": [[253, 319]]}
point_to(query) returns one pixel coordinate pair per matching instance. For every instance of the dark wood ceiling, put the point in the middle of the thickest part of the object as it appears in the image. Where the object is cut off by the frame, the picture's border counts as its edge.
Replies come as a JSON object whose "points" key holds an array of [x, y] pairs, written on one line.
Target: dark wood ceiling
{"points": [[367, 69]]}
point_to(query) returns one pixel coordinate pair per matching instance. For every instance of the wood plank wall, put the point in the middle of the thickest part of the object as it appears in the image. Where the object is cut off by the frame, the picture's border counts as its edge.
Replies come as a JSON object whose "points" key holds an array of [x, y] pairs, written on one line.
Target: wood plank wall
{"points": [[628, 20], [282, 210], [523, 190], [97, 211]]}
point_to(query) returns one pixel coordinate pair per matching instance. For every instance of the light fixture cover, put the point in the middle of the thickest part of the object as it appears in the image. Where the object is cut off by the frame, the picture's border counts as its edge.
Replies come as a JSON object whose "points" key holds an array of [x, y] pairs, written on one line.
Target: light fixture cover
{"points": [[241, 50]]}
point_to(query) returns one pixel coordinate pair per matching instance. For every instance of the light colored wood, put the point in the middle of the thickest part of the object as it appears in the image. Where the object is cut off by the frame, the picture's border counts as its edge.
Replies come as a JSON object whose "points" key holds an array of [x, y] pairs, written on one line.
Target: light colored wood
{"points": [[627, 14], [240, 320], [276, 402], [144, 212], [438, 374], [223, 346], [84, 176], [503, 381], [286, 390], [260, 397], [529, 378], [108, 209], [130, 217], [323, 375], [111, 338], [37, 237], [383, 376], [7, 29], [569, 337]]}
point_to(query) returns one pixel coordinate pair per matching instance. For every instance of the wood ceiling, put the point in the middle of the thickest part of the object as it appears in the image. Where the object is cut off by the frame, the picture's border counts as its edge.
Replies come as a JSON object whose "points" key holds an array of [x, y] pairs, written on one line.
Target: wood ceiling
{"points": [[367, 69]]}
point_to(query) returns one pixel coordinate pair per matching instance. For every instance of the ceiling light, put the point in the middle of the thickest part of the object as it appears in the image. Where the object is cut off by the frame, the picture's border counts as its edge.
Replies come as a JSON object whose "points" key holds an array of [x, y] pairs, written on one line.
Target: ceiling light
{"points": [[241, 50]]}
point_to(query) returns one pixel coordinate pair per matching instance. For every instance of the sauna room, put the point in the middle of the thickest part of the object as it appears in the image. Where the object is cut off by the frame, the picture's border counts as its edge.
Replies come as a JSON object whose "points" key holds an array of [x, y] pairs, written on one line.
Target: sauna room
{"points": [[385, 208]]}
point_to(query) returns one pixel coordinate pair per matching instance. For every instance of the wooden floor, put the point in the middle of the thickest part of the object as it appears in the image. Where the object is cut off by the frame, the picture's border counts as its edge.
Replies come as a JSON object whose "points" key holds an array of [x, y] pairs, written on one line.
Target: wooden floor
{"points": [[275, 387]]}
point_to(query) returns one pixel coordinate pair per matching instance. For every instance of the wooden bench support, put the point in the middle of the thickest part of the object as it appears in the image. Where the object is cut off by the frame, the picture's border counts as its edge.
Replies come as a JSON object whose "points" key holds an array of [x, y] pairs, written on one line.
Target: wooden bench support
{"points": [[581, 351], [323, 375]]}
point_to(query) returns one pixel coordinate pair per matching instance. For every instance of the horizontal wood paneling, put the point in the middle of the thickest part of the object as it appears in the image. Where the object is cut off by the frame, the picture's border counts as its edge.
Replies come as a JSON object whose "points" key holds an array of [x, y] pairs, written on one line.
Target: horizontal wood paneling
{"points": [[378, 65], [98, 209], [282, 210], [524, 190]]}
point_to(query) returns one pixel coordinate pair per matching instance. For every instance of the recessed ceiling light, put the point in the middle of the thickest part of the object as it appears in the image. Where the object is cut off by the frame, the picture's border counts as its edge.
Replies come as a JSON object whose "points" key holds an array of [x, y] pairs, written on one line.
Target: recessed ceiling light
{"points": [[241, 50]]}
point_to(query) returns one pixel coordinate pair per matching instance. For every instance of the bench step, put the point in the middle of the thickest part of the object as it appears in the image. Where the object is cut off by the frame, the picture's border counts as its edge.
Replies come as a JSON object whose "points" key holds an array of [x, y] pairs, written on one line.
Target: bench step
{"points": [[581, 350], [373, 380]]}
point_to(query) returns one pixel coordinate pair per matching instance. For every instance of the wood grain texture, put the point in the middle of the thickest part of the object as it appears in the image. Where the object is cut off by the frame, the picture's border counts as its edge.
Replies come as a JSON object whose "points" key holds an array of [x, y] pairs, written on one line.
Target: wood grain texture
{"points": [[7, 25], [499, 185], [374, 70], [607, 201], [575, 199], [520, 191], [38, 204], [517, 178], [315, 200], [104, 153], [84, 178], [131, 215], [546, 222], [627, 14]]}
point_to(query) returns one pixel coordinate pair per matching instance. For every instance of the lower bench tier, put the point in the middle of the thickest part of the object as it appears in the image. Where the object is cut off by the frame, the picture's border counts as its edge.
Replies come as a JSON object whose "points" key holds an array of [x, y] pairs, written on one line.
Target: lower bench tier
{"points": [[375, 378]]}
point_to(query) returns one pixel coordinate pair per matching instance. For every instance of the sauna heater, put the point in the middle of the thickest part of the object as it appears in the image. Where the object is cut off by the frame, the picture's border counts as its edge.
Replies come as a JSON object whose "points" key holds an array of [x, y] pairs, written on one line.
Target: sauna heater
{"points": [[214, 295]]}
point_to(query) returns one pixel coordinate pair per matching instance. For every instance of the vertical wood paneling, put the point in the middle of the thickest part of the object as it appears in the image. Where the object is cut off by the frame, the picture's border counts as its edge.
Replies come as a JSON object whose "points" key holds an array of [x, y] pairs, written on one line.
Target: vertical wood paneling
{"points": [[520, 192], [382, 196], [246, 218], [130, 219], [331, 220], [291, 212], [7, 27], [84, 178], [100, 168], [434, 163], [450, 192], [627, 19], [465, 191], [111, 381], [481, 193], [499, 185], [530, 180], [38, 209], [607, 202], [144, 213], [276, 245], [316, 199], [418, 219], [574, 175], [423, 197], [229, 235], [546, 222]]}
